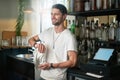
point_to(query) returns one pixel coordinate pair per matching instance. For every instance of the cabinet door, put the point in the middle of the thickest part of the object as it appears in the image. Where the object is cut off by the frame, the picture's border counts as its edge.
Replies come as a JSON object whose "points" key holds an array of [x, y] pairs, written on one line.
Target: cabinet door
{"points": [[1, 67], [23, 50], [78, 78], [3, 61]]}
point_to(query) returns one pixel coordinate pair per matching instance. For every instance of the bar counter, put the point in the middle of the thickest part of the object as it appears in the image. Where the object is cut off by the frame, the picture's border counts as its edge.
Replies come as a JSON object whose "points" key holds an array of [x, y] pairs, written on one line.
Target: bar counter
{"points": [[6, 51], [21, 67], [17, 65]]}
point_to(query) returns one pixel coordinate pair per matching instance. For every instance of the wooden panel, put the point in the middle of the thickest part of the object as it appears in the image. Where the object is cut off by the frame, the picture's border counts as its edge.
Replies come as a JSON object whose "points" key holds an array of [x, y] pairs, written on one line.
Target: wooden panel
{"points": [[7, 35]]}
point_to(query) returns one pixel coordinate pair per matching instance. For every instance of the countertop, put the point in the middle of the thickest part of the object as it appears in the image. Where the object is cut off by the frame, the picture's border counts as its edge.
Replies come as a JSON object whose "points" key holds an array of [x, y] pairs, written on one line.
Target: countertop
{"points": [[13, 46], [23, 57], [78, 72]]}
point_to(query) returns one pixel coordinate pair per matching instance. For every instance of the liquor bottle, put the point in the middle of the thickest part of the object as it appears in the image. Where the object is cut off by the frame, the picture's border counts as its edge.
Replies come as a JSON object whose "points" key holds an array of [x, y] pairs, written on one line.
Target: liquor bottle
{"points": [[111, 4], [72, 28], [71, 5], [87, 5], [87, 30], [105, 4], [65, 23], [69, 24], [116, 3], [92, 30], [111, 35], [99, 4], [84, 52], [77, 29], [104, 33], [82, 31], [118, 32], [98, 31], [93, 4]]}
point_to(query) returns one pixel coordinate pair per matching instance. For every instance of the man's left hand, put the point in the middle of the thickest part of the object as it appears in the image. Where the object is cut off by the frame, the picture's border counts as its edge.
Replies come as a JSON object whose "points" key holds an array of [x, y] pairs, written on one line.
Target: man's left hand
{"points": [[44, 66]]}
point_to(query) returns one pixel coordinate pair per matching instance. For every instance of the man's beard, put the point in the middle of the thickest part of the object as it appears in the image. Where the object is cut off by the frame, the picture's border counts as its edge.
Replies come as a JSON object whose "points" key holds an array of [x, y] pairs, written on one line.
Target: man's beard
{"points": [[56, 24]]}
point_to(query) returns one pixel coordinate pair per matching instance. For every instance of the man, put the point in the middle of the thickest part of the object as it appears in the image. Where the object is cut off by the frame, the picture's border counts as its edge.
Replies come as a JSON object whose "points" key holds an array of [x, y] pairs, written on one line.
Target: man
{"points": [[60, 46]]}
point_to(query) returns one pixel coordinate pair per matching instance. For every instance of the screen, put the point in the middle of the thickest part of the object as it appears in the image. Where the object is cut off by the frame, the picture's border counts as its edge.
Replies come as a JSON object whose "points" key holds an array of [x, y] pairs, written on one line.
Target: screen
{"points": [[103, 54]]}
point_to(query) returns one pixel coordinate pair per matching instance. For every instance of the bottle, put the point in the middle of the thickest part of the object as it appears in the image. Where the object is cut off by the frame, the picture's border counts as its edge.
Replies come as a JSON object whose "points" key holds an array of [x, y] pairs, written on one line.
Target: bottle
{"points": [[99, 4], [71, 5], [98, 31], [116, 3], [82, 31], [87, 5], [87, 30], [105, 4], [111, 4], [69, 24], [72, 28], [77, 29], [118, 32], [104, 33], [92, 30], [84, 52], [65, 23], [93, 4], [111, 35]]}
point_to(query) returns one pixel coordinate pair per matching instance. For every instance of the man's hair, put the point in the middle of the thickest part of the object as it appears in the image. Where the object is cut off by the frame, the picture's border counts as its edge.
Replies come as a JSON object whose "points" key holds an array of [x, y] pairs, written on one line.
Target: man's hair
{"points": [[61, 7]]}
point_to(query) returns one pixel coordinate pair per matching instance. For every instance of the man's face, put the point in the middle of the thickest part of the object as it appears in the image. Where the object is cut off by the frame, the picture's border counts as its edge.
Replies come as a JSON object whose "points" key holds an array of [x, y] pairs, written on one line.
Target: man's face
{"points": [[57, 17]]}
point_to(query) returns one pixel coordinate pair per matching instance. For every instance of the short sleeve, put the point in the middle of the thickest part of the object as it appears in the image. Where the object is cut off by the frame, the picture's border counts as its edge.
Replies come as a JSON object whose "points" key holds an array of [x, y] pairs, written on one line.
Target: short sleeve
{"points": [[71, 43]]}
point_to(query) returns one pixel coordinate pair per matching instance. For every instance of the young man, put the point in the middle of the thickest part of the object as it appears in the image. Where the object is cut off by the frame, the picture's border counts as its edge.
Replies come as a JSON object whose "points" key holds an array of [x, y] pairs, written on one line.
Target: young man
{"points": [[60, 46]]}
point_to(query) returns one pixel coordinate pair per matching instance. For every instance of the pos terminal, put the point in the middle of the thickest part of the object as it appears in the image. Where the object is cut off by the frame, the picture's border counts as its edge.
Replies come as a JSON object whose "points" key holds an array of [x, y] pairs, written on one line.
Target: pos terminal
{"points": [[101, 62]]}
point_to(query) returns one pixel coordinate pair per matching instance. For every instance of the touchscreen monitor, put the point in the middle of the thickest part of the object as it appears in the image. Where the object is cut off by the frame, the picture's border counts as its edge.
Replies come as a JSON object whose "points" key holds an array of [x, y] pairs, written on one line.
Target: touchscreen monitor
{"points": [[103, 54]]}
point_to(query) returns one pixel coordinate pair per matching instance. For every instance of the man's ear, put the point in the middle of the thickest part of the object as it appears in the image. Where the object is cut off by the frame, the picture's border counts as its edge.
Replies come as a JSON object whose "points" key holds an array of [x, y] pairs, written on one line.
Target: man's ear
{"points": [[65, 15]]}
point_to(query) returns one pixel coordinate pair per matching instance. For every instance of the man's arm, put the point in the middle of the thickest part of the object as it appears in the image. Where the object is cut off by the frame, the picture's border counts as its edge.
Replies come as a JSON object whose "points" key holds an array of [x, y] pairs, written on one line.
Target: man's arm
{"points": [[71, 62], [33, 40]]}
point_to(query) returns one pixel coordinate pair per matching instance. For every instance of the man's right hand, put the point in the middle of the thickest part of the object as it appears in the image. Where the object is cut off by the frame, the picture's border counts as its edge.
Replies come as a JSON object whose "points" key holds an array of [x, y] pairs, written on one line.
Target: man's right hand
{"points": [[41, 47]]}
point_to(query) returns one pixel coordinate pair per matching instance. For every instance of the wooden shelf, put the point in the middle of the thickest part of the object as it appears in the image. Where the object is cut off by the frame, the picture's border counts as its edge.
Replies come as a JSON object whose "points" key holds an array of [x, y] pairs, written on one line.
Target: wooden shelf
{"points": [[97, 12]]}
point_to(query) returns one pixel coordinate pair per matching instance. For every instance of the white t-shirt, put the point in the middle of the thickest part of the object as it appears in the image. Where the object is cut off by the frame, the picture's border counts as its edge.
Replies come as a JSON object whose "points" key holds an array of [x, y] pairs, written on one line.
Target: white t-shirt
{"points": [[57, 45]]}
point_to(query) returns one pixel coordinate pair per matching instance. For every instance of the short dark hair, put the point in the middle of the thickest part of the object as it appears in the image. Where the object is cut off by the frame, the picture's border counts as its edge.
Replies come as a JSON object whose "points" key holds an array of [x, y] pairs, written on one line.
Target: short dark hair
{"points": [[61, 7]]}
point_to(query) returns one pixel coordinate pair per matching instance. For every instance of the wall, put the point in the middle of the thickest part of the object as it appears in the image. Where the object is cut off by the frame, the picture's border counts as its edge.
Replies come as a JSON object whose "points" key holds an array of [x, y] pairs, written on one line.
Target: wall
{"points": [[103, 19], [8, 16]]}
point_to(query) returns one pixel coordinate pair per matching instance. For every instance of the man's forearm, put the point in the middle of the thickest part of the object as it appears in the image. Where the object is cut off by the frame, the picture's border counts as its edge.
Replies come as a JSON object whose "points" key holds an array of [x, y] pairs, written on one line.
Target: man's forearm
{"points": [[32, 41], [65, 64]]}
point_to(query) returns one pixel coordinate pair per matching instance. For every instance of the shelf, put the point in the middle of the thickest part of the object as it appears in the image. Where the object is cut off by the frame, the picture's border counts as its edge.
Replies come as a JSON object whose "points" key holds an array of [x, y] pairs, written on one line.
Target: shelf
{"points": [[97, 12], [110, 42]]}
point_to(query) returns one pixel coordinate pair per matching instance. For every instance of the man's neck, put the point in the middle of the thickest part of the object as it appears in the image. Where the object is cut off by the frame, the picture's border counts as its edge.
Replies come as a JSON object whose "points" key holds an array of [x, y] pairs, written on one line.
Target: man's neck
{"points": [[59, 29]]}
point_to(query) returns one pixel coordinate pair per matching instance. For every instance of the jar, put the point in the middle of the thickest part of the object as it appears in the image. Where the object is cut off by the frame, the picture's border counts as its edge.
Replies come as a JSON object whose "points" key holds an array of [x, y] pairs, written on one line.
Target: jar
{"points": [[87, 5], [78, 5]]}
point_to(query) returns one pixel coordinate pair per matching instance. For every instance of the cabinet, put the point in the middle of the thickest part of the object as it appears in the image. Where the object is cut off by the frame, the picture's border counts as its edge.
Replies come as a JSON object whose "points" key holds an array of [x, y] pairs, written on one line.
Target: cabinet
{"points": [[4, 52], [20, 68], [1, 65], [78, 75]]}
